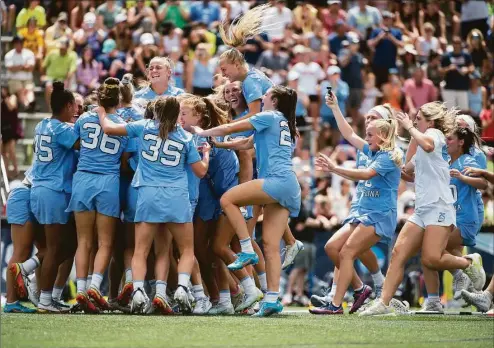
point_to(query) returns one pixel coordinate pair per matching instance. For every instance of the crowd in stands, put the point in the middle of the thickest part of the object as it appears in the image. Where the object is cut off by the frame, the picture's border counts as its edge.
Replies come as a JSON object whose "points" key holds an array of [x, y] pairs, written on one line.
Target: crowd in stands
{"points": [[405, 53]]}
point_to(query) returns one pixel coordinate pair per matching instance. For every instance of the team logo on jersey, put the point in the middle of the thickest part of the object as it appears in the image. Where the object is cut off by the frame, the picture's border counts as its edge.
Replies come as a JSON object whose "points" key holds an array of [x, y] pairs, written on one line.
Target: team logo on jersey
{"points": [[442, 217]]}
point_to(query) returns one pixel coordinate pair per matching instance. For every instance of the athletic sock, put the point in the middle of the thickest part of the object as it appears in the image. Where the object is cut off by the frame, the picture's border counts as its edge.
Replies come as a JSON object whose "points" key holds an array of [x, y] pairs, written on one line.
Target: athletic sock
{"points": [[30, 265], [57, 293], [161, 288], [271, 297], [225, 296], [246, 246], [198, 291], [433, 298], [332, 292], [248, 285], [96, 280], [138, 284], [128, 275], [81, 285], [152, 286], [89, 281], [263, 281], [378, 278], [45, 297], [183, 279]]}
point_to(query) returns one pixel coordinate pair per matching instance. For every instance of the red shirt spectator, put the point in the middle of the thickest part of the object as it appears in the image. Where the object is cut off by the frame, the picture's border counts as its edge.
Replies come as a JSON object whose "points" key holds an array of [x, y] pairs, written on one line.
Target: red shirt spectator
{"points": [[329, 16], [487, 119], [418, 91]]}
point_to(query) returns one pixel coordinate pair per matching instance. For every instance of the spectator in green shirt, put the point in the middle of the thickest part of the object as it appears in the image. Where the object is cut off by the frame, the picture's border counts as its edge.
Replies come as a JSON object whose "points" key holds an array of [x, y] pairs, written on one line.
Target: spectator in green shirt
{"points": [[32, 9], [59, 65], [175, 12]]}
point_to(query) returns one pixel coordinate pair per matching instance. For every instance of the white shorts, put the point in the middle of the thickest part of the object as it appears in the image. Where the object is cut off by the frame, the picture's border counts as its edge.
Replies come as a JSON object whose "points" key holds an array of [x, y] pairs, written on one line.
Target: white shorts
{"points": [[435, 214]]}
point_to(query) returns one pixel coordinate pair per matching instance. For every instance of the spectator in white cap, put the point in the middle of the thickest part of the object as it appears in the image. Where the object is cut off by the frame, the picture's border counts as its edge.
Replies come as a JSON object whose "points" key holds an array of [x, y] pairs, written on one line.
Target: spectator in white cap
{"points": [[89, 35], [58, 31], [147, 26], [329, 16], [78, 13], [477, 95], [143, 55], [107, 14], [121, 33], [340, 89]]}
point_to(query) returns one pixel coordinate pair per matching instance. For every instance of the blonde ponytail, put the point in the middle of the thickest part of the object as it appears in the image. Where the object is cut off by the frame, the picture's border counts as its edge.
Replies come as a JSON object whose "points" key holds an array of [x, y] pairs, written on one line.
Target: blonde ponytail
{"points": [[387, 131]]}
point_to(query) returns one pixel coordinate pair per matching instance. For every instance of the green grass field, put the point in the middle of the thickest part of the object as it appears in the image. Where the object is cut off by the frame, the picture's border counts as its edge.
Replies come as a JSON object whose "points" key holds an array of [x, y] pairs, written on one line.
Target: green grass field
{"points": [[290, 329]]}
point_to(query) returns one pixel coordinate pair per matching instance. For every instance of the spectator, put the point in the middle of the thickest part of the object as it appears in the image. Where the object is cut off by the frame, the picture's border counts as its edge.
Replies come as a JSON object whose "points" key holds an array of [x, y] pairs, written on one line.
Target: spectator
{"points": [[340, 198], [427, 43], [371, 93], [88, 72], [137, 14], [406, 20], [175, 12], [352, 63], [316, 39], [89, 35], [274, 62], [59, 31], [79, 12], [408, 62], [283, 16], [59, 65], [476, 47], [433, 68], [418, 91], [331, 15], [206, 12], [20, 63], [147, 26], [121, 33], [33, 39], [340, 89], [143, 55], [337, 37], [302, 99], [363, 18], [477, 95], [310, 74], [254, 47], [171, 37], [8, 17], [200, 72], [11, 131], [304, 16], [455, 67], [432, 14], [178, 69], [56, 7], [112, 60], [107, 13], [487, 119], [385, 41], [392, 90], [197, 34], [232, 9], [474, 15], [31, 9]]}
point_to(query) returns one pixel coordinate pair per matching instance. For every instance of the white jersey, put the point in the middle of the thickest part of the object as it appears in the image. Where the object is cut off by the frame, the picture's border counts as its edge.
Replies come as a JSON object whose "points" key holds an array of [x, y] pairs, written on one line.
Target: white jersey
{"points": [[432, 172]]}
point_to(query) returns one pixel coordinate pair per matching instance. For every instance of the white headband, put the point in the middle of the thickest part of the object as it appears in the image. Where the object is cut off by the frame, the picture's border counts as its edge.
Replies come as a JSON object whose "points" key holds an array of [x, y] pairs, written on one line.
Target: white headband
{"points": [[469, 121], [380, 111]]}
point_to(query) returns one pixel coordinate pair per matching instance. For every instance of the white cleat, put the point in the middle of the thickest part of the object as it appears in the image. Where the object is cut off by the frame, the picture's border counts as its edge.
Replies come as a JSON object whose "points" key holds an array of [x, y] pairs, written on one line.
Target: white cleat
{"points": [[32, 289], [432, 306], [400, 307], [481, 300], [203, 305], [222, 308], [140, 302], [377, 307], [248, 301], [475, 271], [291, 252], [53, 307], [237, 298], [461, 282], [182, 298]]}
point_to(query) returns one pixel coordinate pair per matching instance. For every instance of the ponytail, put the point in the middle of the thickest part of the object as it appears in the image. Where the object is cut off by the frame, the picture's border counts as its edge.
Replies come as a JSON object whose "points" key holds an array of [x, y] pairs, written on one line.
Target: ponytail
{"points": [[109, 93], [469, 138], [127, 89], [387, 131], [165, 111], [60, 97], [287, 103], [217, 116]]}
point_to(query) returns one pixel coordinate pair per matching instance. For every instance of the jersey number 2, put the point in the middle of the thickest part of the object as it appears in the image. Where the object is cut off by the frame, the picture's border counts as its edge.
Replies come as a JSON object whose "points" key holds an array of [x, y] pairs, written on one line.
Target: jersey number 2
{"points": [[285, 137]]}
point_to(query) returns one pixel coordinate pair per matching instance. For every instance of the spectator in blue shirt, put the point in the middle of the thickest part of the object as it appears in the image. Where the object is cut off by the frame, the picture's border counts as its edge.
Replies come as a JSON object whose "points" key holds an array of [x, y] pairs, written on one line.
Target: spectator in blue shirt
{"points": [[112, 60], [337, 37], [385, 42], [205, 11], [340, 89]]}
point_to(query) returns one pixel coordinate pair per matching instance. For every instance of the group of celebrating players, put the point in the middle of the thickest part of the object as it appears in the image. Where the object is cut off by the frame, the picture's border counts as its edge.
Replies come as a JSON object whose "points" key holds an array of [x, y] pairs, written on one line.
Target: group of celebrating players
{"points": [[166, 198]]}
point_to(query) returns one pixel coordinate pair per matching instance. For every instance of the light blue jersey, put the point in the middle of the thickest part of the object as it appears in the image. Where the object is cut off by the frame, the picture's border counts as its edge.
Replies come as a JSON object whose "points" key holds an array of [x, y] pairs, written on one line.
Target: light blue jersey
{"points": [[54, 163], [273, 143], [162, 162], [362, 162], [380, 192], [100, 153], [481, 160], [223, 169], [465, 195], [148, 93], [192, 179], [240, 135], [255, 85], [130, 114]]}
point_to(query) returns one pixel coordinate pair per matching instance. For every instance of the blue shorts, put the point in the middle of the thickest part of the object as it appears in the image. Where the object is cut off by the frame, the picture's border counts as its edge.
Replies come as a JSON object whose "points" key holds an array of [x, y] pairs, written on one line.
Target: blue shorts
{"points": [[469, 232], [95, 192], [193, 205], [129, 211], [383, 222], [480, 210], [208, 206], [49, 206], [285, 190], [19, 206], [163, 204]]}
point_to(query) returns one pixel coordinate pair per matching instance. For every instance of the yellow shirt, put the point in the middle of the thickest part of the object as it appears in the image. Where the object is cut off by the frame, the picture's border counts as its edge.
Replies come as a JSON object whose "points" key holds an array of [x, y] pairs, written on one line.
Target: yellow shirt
{"points": [[310, 17], [132, 3], [38, 12], [32, 41], [211, 41]]}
